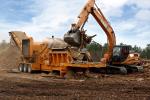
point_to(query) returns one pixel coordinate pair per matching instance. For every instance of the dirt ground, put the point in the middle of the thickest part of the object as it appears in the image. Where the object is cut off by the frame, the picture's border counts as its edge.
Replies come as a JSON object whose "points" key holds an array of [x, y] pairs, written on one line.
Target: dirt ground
{"points": [[25, 86]]}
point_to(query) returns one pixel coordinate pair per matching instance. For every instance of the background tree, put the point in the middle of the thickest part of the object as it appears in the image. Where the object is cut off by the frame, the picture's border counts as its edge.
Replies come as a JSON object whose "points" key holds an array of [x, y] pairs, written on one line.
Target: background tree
{"points": [[137, 49], [146, 52], [104, 49], [95, 50]]}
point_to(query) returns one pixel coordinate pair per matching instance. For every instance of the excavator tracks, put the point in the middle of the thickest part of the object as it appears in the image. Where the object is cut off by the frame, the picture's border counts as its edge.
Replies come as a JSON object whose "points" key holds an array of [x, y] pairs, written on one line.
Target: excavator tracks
{"points": [[116, 70], [134, 68], [124, 69]]}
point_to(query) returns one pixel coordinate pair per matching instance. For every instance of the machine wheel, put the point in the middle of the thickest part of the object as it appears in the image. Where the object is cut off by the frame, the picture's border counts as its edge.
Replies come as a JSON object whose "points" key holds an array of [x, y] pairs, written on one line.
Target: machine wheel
{"points": [[21, 68], [29, 69], [25, 68]]}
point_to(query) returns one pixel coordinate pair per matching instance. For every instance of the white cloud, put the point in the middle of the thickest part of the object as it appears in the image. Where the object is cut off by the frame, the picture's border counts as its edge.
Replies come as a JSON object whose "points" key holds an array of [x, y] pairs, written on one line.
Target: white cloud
{"points": [[112, 8], [51, 18], [55, 17], [124, 26], [4, 29], [144, 4], [144, 35], [143, 15], [132, 41]]}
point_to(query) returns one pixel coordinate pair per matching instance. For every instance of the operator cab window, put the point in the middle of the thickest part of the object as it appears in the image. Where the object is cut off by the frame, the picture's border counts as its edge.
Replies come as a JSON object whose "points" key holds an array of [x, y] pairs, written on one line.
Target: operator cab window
{"points": [[116, 51]]}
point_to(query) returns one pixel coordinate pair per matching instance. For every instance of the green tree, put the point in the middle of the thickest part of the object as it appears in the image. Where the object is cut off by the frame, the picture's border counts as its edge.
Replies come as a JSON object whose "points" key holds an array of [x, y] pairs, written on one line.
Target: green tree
{"points": [[137, 49], [104, 49], [146, 52], [143, 54], [96, 50], [122, 44]]}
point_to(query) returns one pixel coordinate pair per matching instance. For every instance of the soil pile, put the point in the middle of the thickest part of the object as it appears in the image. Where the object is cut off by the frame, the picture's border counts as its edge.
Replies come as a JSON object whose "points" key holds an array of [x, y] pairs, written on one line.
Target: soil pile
{"points": [[9, 57]]}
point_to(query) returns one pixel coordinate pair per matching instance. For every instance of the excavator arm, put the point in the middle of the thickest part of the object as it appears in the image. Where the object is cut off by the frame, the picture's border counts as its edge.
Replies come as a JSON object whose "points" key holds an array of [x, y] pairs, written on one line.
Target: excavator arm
{"points": [[99, 17], [91, 8], [87, 9]]}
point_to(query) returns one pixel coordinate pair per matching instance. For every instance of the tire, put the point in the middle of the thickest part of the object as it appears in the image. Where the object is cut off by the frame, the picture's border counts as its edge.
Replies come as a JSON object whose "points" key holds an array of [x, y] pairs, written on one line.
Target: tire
{"points": [[20, 68], [29, 69], [25, 68]]}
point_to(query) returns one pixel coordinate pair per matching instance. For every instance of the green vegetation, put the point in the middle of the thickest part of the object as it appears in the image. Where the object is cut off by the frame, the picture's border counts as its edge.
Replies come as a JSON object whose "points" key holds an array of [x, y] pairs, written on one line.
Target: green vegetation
{"points": [[146, 52], [97, 51]]}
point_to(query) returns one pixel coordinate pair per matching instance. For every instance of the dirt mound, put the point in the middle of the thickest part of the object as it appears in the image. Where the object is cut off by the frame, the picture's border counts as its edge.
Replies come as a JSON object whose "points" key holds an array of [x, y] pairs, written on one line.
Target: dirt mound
{"points": [[9, 57]]}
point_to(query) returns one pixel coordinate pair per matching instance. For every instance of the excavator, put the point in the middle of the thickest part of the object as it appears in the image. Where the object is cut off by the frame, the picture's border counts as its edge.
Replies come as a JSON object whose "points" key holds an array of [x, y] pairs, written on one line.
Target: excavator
{"points": [[117, 57], [70, 54]]}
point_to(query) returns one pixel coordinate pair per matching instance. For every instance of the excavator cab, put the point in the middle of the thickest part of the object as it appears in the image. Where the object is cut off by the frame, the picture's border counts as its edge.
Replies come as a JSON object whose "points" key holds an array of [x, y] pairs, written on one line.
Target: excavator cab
{"points": [[120, 53]]}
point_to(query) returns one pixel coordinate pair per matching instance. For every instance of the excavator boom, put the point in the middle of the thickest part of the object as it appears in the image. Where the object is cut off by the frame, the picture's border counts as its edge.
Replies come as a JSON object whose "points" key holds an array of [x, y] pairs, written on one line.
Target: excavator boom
{"points": [[84, 14], [98, 15], [91, 8]]}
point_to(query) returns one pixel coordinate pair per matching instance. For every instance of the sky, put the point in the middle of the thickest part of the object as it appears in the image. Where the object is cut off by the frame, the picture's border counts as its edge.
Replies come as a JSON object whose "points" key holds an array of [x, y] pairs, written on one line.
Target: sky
{"points": [[40, 19]]}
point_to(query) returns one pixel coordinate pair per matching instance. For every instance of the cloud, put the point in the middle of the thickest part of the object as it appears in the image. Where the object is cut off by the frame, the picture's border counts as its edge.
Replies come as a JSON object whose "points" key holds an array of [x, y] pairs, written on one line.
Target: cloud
{"points": [[112, 8], [143, 4], [41, 19], [122, 26], [54, 18], [144, 35], [143, 15]]}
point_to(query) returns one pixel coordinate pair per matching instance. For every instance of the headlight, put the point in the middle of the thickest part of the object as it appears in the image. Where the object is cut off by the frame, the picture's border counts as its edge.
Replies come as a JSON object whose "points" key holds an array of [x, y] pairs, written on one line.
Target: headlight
{"points": [[131, 55]]}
